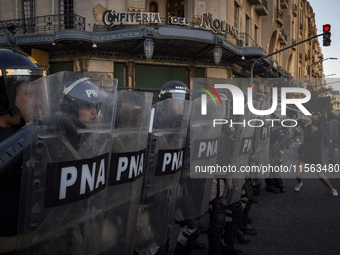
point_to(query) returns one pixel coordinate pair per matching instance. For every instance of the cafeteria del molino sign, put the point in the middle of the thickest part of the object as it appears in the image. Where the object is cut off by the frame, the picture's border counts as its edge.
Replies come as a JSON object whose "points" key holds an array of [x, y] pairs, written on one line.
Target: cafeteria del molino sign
{"points": [[111, 18]]}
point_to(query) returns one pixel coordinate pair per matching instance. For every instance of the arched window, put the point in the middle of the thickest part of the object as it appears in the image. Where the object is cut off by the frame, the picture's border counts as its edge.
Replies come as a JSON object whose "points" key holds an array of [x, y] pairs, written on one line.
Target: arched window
{"points": [[153, 7], [175, 8]]}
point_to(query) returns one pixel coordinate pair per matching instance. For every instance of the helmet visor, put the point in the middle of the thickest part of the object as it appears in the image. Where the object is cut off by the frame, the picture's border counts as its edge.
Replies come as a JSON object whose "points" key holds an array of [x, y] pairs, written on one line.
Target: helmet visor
{"points": [[18, 92], [177, 94]]}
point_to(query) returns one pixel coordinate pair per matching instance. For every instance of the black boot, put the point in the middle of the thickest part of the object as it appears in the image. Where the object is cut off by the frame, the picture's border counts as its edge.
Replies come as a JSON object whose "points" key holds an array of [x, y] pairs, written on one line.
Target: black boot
{"points": [[242, 238], [216, 225]]}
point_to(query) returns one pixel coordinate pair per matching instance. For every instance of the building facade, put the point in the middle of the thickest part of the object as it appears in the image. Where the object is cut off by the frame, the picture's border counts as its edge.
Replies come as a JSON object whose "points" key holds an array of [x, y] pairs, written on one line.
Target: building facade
{"points": [[145, 43]]}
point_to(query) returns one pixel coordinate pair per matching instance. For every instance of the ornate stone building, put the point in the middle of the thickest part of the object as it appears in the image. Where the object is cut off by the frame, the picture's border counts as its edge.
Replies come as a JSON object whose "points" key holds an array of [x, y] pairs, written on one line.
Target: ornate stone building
{"points": [[145, 43]]}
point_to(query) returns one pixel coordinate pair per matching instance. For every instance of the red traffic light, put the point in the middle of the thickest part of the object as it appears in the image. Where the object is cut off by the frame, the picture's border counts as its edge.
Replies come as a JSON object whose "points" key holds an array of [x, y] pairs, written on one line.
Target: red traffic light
{"points": [[326, 28], [326, 35]]}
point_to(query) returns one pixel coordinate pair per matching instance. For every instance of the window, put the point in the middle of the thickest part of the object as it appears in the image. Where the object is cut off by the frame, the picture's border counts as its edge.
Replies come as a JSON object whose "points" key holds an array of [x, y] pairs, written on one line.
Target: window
{"points": [[66, 6], [175, 8], [256, 34], [153, 7], [29, 14], [236, 16], [29, 8], [67, 9], [247, 30]]}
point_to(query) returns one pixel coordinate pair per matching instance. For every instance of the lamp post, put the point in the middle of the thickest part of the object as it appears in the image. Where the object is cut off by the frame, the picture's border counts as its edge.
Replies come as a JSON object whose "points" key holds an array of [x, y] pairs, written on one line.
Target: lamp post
{"points": [[332, 74], [273, 53], [310, 67]]}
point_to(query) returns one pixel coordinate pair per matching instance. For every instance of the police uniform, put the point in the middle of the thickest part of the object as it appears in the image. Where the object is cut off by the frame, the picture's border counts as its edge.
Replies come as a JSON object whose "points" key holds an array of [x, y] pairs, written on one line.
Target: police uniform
{"points": [[15, 68]]}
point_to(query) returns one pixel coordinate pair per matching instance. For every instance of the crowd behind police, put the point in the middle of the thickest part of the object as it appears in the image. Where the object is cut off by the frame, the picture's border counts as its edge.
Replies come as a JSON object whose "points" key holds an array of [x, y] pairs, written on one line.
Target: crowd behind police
{"points": [[231, 198]]}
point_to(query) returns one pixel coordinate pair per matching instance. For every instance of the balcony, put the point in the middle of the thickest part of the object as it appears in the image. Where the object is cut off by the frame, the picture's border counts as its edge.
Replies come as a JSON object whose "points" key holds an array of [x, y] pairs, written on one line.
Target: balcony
{"points": [[282, 37], [253, 2], [284, 4], [279, 16], [294, 10], [262, 9], [43, 24], [245, 40]]}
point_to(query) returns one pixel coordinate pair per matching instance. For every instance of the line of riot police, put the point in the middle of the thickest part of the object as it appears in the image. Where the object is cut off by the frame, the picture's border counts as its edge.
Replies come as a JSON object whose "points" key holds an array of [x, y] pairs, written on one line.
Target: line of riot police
{"points": [[109, 173]]}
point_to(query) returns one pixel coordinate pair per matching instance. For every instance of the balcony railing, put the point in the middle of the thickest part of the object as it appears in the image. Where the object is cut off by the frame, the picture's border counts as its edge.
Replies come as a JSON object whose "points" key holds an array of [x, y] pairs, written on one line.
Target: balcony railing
{"points": [[247, 40], [42, 24]]}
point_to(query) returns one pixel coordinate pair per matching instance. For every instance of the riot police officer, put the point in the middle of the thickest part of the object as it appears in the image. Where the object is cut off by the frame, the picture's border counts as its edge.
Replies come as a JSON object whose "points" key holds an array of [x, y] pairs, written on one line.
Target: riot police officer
{"points": [[162, 178], [68, 141], [175, 90], [79, 103], [129, 150], [79, 108], [16, 70]]}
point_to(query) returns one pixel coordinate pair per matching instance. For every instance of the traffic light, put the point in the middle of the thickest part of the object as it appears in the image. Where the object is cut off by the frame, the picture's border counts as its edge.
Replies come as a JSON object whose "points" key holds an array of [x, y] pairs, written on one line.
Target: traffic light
{"points": [[326, 35]]}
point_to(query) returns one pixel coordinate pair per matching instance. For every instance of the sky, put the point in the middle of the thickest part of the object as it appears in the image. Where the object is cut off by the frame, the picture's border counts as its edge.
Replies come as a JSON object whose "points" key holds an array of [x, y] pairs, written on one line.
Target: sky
{"points": [[327, 12]]}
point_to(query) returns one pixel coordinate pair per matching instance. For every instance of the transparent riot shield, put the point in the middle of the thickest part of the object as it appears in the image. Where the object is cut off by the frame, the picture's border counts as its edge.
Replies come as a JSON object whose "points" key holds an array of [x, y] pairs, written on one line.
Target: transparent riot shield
{"points": [[233, 189], [242, 134], [66, 163], [261, 140], [164, 166], [128, 165], [280, 133], [202, 150], [243, 138]]}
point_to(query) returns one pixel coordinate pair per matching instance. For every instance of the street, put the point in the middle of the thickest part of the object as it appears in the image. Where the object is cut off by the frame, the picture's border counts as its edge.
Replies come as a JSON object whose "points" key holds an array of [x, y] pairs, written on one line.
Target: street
{"points": [[294, 223]]}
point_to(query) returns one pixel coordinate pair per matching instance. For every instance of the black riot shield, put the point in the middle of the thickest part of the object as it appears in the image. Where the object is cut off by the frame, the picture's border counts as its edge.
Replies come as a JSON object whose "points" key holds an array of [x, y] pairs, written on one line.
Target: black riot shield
{"points": [[128, 164], [202, 151], [165, 163], [66, 162]]}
